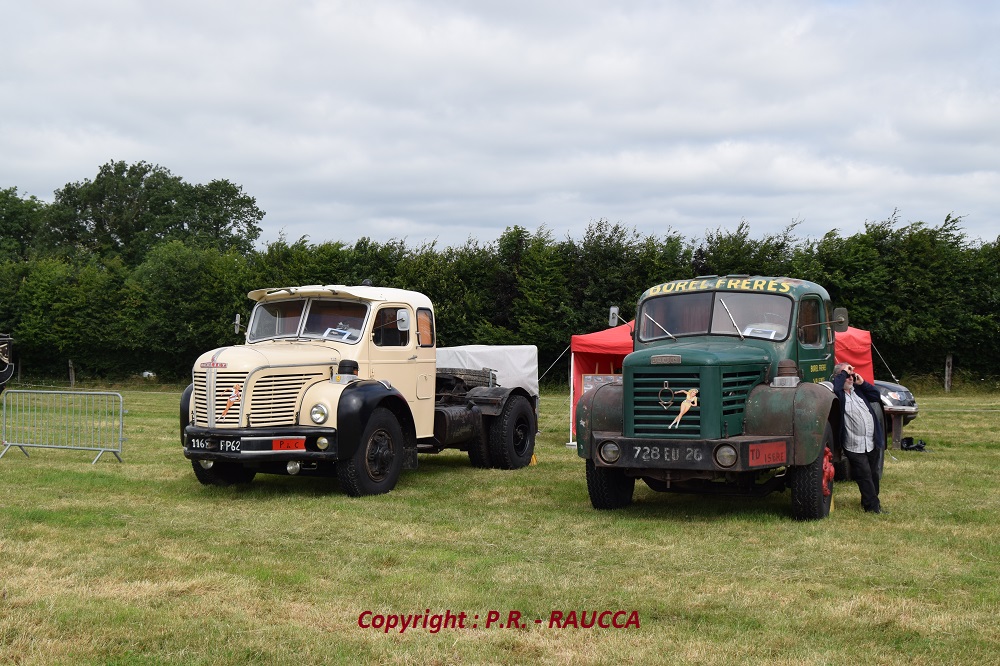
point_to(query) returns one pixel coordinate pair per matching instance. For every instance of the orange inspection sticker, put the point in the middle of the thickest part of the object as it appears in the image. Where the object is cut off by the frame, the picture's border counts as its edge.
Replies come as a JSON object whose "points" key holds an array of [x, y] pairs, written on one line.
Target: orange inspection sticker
{"points": [[288, 444], [768, 453]]}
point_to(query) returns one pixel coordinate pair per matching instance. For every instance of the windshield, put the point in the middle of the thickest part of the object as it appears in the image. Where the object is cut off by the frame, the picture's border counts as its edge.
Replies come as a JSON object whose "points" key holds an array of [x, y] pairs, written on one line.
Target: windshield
{"points": [[745, 314], [342, 321]]}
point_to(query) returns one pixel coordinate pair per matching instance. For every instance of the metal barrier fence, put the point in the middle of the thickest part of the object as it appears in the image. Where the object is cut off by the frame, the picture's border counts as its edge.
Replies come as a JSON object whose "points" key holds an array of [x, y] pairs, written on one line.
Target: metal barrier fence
{"points": [[78, 420]]}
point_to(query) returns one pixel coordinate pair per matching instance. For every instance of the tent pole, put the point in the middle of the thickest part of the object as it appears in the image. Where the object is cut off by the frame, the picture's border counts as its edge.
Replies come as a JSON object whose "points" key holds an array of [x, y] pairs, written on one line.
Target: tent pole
{"points": [[572, 379]]}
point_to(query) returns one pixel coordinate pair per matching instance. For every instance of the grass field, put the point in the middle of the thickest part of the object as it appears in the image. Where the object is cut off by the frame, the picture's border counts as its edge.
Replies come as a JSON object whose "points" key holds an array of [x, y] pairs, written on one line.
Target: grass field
{"points": [[137, 563]]}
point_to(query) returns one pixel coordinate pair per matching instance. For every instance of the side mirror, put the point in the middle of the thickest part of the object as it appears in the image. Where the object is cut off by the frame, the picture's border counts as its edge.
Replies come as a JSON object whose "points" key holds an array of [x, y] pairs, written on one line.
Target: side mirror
{"points": [[236, 324], [613, 316], [403, 319], [840, 320]]}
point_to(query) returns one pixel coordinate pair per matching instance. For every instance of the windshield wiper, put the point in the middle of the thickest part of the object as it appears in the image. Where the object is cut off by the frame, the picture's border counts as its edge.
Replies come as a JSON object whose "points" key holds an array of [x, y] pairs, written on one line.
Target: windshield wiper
{"points": [[735, 325], [646, 315]]}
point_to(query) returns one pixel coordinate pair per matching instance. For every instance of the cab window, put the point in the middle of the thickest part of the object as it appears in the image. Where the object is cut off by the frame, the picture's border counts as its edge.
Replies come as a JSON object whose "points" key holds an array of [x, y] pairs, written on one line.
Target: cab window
{"points": [[810, 332], [425, 328], [387, 333]]}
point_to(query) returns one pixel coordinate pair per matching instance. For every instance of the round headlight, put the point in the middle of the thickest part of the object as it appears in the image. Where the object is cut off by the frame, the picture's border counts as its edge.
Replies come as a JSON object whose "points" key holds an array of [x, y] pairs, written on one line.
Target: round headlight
{"points": [[725, 456], [319, 413], [610, 452]]}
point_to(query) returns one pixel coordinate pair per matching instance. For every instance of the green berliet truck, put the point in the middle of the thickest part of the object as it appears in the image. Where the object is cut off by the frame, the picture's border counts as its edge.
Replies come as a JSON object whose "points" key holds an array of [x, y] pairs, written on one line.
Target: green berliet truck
{"points": [[721, 394]]}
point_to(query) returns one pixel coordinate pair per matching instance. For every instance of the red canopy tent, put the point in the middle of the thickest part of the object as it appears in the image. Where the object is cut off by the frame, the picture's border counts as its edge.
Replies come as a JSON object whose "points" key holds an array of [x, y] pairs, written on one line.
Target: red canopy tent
{"points": [[599, 353], [855, 347]]}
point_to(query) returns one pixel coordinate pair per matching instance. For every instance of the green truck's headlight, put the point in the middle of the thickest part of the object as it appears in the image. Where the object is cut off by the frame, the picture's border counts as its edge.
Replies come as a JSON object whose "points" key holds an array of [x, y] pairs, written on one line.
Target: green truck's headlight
{"points": [[726, 456], [609, 451]]}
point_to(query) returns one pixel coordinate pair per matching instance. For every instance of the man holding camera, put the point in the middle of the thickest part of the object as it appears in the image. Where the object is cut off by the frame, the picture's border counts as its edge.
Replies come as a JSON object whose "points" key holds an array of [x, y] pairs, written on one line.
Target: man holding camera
{"points": [[863, 438]]}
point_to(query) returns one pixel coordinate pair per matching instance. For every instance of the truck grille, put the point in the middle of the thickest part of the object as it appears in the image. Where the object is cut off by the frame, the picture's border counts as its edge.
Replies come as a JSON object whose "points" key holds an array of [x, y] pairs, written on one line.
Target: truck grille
{"points": [[222, 386], [650, 418], [276, 397], [722, 395], [273, 399]]}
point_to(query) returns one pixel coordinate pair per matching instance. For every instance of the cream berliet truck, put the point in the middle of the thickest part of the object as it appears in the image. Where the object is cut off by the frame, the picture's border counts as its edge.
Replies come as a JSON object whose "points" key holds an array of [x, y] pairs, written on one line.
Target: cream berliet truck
{"points": [[343, 381]]}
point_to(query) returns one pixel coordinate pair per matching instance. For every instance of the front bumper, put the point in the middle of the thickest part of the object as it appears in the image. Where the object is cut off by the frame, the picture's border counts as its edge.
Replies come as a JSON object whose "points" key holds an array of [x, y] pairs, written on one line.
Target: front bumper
{"points": [[753, 453], [260, 444]]}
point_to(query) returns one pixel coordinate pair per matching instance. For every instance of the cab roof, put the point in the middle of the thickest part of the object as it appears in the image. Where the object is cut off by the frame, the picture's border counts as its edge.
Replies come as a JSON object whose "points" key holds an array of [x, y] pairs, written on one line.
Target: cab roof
{"points": [[357, 292], [755, 283]]}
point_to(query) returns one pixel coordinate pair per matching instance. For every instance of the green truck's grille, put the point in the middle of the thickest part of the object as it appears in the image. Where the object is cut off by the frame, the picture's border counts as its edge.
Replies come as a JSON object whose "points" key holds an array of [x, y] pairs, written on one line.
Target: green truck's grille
{"points": [[659, 393]]}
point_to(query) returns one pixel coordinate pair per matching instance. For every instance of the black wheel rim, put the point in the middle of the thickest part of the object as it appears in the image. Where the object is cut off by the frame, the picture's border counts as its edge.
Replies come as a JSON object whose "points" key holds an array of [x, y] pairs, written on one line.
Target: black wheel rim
{"points": [[378, 455], [521, 436]]}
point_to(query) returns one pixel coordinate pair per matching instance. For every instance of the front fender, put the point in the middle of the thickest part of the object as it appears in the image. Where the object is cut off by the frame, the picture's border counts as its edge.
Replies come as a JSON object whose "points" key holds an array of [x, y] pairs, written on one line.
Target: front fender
{"points": [[598, 410], [801, 413], [357, 402]]}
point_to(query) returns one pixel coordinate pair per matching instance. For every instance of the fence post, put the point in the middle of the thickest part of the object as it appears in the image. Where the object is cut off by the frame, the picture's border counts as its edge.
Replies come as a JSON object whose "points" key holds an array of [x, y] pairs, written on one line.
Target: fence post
{"points": [[947, 374], [72, 375]]}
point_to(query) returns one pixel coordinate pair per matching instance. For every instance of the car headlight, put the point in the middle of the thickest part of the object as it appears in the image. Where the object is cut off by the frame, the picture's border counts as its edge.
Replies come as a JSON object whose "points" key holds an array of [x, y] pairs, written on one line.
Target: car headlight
{"points": [[726, 456], [319, 413], [609, 452]]}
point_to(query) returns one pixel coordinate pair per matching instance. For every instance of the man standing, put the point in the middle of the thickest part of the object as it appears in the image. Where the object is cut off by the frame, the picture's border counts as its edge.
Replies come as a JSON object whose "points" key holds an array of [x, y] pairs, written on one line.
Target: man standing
{"points": [[863, 437]]}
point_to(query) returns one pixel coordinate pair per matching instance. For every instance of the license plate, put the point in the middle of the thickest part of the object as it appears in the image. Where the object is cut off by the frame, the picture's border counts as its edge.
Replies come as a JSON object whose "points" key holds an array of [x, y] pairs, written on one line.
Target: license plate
{"points": [[230, 445], [201, 443], [767, 454], [666, 454]]}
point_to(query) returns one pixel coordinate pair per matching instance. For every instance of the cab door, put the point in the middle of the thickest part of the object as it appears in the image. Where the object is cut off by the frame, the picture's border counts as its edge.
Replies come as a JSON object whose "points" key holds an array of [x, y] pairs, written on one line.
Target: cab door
{"points": [[396, 356], [813, 340]]}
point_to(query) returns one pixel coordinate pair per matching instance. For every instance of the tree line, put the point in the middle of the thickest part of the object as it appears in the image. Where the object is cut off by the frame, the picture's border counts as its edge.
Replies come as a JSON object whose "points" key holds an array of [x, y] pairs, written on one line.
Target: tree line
{"points": [[138, 270]]}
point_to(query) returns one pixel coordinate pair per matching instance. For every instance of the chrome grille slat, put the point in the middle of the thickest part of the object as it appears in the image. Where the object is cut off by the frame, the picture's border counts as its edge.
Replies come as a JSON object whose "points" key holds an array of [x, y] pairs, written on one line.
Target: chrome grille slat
{"points": [[274, 398]]}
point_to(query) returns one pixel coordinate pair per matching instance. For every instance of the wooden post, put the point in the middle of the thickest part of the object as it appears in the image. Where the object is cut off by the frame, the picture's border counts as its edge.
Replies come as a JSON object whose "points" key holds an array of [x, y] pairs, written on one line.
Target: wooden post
{"points": [[72, 375], [947, 374]]}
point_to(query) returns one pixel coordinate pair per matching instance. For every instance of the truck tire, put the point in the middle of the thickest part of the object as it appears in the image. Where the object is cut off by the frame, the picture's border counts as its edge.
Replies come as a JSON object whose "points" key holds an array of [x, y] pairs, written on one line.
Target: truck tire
{"points": [[479, 451], [609, 488], [472, 378], [376, 464], [186, 409], [512, 434], [222, 473], [807, 482]]}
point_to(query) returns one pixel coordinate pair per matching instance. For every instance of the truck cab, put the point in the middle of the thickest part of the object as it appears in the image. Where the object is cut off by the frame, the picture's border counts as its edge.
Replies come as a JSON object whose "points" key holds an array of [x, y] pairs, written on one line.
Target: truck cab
{"points": [[720, 395], [337, 380]]}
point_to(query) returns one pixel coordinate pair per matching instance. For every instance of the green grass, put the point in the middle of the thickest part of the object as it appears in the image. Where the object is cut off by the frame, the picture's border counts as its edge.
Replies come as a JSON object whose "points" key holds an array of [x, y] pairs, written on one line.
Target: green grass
{"points": [[137, 563]]}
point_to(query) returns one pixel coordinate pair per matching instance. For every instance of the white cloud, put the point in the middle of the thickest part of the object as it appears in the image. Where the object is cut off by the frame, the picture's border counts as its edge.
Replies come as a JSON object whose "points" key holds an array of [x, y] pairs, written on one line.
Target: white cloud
{"points": [[441, 120]]}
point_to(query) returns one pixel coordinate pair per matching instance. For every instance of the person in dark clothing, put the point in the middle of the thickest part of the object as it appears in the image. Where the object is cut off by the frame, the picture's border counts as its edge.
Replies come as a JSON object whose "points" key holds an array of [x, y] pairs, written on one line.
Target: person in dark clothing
{"points": [[863, 439]]}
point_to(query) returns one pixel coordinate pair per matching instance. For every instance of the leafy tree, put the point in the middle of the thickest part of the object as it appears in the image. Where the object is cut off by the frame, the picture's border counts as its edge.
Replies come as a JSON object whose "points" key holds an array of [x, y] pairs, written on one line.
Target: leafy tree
{"points": [[20, 220], [726, 252], [128, 209], [182, 301], [72, 311]]}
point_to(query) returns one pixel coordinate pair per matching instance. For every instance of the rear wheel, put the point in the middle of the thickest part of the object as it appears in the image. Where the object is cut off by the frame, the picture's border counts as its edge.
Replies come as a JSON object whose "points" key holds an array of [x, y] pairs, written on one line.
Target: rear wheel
{"points": [[812, 484], [609, 488], [212, 473], [512, 434], [479, 451], [375, 466]]}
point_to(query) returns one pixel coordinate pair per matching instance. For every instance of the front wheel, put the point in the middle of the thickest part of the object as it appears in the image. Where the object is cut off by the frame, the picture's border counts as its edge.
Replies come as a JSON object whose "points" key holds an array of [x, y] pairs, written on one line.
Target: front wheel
{"points": [[512, 434], [609, 488], [377, 463], [212, 473], [812, 484]]}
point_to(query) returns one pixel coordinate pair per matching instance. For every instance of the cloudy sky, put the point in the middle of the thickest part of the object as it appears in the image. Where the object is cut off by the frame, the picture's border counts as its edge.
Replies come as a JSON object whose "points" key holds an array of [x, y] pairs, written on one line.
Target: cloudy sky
{"points": [[439, 121]]}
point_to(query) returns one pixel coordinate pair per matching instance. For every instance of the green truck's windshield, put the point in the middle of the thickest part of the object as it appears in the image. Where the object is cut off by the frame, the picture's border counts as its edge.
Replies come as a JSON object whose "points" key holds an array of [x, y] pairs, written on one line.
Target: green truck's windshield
{"points": [[341, 321], [742, 314]]}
